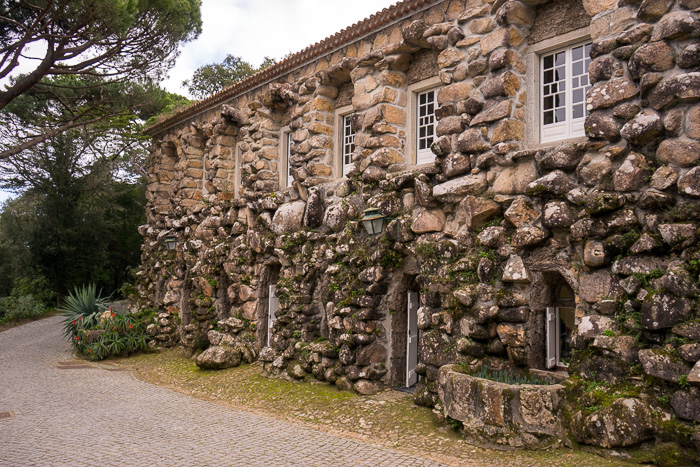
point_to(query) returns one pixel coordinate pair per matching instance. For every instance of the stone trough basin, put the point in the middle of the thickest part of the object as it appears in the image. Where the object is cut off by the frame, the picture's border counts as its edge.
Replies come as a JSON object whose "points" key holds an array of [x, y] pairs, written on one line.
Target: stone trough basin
{"points": [[503, 416]]}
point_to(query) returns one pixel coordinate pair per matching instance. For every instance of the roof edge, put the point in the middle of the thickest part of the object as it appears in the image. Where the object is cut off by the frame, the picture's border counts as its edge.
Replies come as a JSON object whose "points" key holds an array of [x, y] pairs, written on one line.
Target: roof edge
{"points": [[342, 38]]}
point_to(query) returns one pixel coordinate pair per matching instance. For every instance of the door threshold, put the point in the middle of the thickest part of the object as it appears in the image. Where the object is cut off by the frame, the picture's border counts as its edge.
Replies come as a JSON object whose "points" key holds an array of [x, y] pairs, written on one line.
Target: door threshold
{"points": [[411, 390]]}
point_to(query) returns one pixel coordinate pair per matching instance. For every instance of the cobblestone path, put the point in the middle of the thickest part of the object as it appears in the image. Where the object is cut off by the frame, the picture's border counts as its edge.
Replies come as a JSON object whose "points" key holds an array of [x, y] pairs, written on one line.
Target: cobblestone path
{"points": [[67, 412]]}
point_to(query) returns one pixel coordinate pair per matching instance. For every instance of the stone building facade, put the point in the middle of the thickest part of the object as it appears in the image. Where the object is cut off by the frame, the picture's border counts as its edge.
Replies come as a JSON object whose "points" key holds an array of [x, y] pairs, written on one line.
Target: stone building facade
{"points": [[536, 163]]}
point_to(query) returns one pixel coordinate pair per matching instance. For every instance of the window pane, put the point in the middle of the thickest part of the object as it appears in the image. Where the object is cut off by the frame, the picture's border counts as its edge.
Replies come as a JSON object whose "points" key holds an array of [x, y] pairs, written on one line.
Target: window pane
{"points": [[560, 59], [559, 100], [578, 111], [577, 68], [548, 117], [561, 73], [560, 115], [578, 95], [577, 53], [548, 102], [548, 61], [548, 76]]}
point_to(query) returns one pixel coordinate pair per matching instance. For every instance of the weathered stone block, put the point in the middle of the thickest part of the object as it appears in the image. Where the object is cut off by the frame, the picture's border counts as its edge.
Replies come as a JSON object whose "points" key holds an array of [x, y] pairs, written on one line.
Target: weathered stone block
{"points": [[682, 153], [454, 190], [661, 364], [491, 114], [515, 179], [218, 357], [427, 220], [478, 210], [515, 270], [625, 422], [675, 25], [557, 214], [645, 127], [288, 218], [676, 88], [632, 174], [596, 286], [610, 93], [689, 183]]}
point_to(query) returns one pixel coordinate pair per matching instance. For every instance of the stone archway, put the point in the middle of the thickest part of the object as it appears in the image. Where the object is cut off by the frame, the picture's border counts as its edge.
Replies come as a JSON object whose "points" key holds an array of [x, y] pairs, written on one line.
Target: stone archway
{"points": [[543, 294]]}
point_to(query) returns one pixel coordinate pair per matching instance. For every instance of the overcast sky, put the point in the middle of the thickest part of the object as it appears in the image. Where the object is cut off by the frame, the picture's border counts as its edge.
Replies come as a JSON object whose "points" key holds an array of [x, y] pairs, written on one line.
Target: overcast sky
{"points": [[253, 29]]}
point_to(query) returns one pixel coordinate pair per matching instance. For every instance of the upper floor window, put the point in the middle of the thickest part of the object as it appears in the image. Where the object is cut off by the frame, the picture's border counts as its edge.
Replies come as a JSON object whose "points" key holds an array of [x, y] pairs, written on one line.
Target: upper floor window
{"points": [[347, 143], [426, 103], [563, 85], [285, 154], [237, 175]]}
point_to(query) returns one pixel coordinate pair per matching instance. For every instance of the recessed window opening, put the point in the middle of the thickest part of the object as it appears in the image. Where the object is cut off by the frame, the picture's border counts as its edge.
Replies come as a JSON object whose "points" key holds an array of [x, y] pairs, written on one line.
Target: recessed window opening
{"points": [[347, 144]]}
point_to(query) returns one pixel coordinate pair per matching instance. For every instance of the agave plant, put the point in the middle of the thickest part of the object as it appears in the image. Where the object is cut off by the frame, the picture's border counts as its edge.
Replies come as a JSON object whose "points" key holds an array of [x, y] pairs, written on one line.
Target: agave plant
{"points": [[82, 309]]}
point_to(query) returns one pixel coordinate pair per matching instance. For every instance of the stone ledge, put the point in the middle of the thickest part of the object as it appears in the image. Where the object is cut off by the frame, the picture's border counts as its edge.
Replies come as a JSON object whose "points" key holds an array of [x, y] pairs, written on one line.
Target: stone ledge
{"points": [[503, 416]]}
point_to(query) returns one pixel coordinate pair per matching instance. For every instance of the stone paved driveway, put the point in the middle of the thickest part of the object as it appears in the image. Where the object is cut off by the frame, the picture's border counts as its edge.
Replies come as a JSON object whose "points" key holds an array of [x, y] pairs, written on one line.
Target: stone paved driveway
{"points": [[92, 416]]}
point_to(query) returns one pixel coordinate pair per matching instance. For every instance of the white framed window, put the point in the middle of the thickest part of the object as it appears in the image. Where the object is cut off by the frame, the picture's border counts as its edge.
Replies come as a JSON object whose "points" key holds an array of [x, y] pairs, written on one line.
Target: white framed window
{"points": [[237, 174], [564, 83], [426, 124], [348, 143], [558, 81], [285, 168], [346, 139], [560, 324], [422, 121]]}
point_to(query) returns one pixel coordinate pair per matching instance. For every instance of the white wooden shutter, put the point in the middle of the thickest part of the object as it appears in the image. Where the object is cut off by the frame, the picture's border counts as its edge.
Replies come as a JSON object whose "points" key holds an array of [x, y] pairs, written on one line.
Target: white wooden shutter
{"points": [[274, 305], [551, 338], [412, 340]]}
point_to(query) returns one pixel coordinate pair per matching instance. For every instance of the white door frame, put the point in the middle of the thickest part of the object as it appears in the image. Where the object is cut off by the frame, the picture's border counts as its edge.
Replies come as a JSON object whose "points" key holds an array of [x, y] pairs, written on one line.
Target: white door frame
{"points": [[273, 306], [412, 339]]}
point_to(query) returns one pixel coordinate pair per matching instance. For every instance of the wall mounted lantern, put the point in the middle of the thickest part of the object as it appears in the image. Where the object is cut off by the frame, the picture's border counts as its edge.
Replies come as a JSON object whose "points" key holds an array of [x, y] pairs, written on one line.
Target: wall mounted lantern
{"points": [[170, 242], [373, 221]]}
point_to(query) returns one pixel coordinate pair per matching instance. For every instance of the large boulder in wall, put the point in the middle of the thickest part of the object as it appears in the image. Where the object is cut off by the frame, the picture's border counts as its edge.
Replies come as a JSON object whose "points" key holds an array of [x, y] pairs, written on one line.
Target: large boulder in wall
{"points": [[288, 218]]}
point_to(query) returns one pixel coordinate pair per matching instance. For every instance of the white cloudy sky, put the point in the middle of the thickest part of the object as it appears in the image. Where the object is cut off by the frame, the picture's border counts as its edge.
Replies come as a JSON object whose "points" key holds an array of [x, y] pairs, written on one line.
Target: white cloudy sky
{"points": [[253, 29]]}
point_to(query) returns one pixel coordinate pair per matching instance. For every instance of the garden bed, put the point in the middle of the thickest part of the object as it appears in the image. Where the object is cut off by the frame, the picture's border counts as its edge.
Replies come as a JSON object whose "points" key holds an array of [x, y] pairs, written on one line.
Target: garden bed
{"points": [[500, 415]]}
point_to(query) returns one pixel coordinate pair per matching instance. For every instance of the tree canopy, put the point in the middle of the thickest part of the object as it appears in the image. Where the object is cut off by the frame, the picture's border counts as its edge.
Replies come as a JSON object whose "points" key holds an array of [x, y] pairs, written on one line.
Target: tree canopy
{"points": [[84, 53], [81, 191], [213, 77], [61, 103]]}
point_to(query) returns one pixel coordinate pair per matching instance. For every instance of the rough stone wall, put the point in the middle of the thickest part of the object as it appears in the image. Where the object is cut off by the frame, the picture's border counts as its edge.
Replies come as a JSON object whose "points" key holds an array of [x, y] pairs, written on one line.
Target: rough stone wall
{"points": [[484, 235]]}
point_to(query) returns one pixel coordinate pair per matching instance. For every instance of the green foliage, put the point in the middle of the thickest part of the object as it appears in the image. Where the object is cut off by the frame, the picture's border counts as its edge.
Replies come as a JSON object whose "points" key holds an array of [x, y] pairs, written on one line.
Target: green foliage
{"points": [[82, 309], [19, 308], [213, 77], [74, 221], [455, 425], [111, 336], [99, 49], [644, 278]]}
